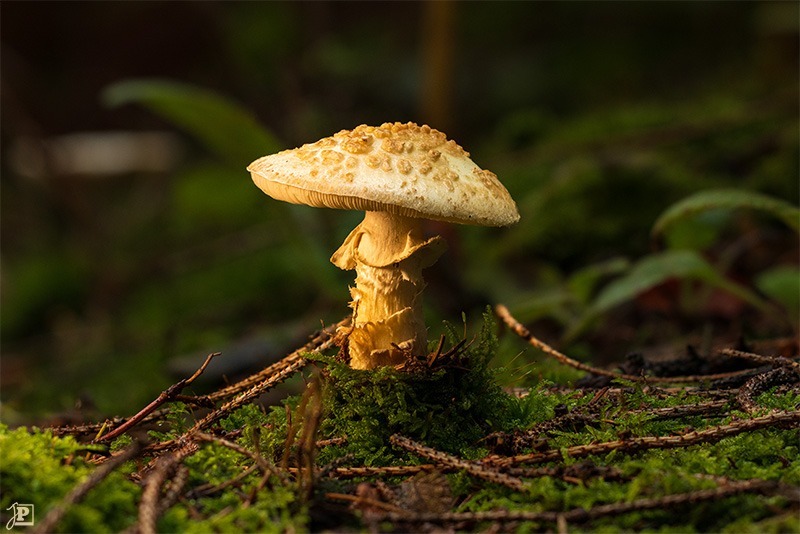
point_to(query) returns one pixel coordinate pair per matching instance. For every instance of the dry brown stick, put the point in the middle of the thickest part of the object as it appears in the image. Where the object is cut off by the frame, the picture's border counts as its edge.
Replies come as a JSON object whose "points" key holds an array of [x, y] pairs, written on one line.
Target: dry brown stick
{"points": [[165, 396], [306, 453], [79, 492], [776, 361], [580, 415], [526, 334], [669, 501], [174, 487], [579, 515], [388, 471], [575, 473], [314, 345], [702, 408], [761, 383], [448, 460], [330, 442], [95, 429], [88, 428], [619, 392], [248, 389], [253, 392], [149, 505], [355, 499], [173, 491], [708, 435], [240, 400]]}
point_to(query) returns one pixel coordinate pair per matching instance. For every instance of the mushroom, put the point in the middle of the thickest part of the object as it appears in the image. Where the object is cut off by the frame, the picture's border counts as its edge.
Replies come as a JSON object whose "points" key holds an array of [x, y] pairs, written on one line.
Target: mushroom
{"points": [[398, 174]]}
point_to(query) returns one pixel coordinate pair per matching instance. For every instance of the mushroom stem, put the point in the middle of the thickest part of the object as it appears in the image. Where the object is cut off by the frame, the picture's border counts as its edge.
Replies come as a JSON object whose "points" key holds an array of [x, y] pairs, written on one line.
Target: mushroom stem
{"points": [[388, 253]]}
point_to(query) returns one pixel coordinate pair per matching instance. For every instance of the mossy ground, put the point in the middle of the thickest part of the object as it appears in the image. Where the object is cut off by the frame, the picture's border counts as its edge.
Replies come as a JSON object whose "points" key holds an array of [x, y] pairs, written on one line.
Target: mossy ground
{"points": [[450, 409]]}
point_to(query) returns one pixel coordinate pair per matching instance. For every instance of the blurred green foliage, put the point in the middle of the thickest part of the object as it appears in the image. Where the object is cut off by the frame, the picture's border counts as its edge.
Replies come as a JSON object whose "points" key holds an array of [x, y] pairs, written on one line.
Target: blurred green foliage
{"points": [[225, 128], [597, 117]]}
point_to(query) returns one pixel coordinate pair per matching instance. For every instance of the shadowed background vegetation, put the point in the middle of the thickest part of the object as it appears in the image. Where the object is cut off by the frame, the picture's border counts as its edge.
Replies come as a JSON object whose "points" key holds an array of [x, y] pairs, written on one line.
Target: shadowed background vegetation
{"points": [[135, 248]]}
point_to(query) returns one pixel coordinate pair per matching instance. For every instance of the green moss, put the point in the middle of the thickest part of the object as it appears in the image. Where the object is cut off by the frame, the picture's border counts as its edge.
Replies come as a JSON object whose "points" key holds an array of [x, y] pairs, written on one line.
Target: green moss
{"points": [[40, 469], [450, 408], [274, 507]]}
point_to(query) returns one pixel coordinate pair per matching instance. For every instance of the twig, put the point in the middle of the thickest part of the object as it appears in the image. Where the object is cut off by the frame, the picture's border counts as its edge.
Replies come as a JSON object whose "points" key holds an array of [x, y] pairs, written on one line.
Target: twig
{"points": [[79, 492], [246, 396], [173, 491], [388, 471], [165, 396], [473, 468], [356, 500], [581, 515], [522, 439], [316, 343], [330, 442], [703, 408], [149, 507], [775, 361], [96, 429], [574, 473], [761, 383], [708, 435], [311, 411], [525, 334]]}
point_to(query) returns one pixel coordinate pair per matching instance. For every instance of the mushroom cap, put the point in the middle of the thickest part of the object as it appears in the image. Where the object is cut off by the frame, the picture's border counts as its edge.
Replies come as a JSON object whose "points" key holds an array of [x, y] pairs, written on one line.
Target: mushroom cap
{"points": [[404, 169]]}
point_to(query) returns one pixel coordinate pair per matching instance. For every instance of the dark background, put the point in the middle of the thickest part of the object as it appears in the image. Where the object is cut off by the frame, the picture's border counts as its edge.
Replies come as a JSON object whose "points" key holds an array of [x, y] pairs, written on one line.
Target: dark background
{"points": [[597, 116]]}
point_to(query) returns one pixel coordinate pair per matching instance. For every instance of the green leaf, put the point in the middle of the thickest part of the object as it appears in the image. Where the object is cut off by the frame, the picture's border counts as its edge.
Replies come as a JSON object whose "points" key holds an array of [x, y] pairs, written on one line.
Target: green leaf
{"points": [[782, 284], [584, 282], [654, 270], [223, 126], [716, 199]]}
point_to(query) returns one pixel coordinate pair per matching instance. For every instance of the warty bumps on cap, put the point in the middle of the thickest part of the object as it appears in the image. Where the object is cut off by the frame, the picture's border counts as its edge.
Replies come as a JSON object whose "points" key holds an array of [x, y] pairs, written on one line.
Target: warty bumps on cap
{"points": [[404, 169]]}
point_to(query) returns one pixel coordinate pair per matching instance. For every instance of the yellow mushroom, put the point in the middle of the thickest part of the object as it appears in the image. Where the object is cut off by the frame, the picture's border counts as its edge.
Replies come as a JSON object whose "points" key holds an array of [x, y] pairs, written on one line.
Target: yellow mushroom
{"points": [[398, 174]]}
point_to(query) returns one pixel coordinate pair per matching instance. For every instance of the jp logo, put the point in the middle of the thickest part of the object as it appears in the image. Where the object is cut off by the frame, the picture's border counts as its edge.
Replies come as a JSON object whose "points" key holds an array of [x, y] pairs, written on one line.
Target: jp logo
{"points": [[21, 515]]}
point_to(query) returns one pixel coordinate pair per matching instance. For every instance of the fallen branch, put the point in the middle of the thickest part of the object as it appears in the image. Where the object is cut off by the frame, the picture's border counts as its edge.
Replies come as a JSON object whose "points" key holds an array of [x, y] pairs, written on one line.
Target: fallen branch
{"points": [[319, 341], [518, 440], [295, 363], [708, 408], [150, 508], [448, 460], [163, 397], [775, 361], [363, 501], [708, 435], [761, 383], [388, 471], [79, 492], [581, 515], [517, 327]]}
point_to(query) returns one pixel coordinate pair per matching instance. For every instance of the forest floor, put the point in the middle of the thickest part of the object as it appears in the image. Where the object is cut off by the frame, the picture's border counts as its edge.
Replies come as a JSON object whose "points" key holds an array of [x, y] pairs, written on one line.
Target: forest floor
{"points": [[692, 443]]}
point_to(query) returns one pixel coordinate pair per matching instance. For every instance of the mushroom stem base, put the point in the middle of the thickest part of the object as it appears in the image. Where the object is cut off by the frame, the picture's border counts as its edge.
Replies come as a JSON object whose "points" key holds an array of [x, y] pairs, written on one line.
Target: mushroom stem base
{"points": [[388, 253]]}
